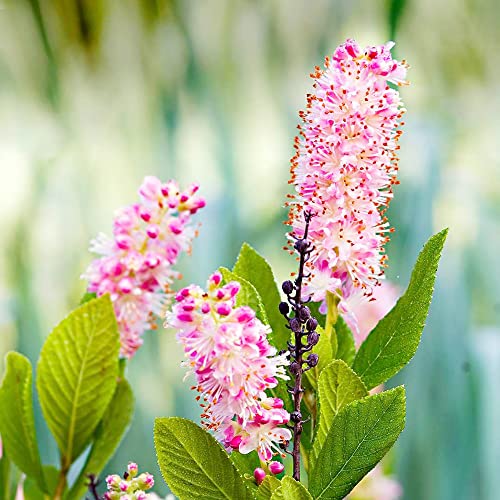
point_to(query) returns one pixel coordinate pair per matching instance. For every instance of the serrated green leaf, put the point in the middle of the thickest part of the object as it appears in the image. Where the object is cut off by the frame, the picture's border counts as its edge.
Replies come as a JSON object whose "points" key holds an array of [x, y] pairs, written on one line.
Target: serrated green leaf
{"points": [[107, 437], [193, 464], [267, 488], [346, 346], [77, 373], [17, 422], [338, 386], [251, 266], [395, 339], [359, 437], [248, 295], [291, 490]]}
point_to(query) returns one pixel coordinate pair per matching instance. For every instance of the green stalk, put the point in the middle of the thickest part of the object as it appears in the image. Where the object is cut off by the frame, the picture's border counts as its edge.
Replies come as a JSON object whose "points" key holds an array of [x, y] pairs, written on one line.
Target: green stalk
{"points": [[331, 318]]}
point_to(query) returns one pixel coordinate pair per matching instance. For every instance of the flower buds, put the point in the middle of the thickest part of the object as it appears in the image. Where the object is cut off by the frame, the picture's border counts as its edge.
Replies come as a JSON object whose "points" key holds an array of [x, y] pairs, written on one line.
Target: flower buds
{"points": [[301, 246], [312, 360], [284, 308], [259, 475], [313, 338], [276, 468], [287, 287], [304, 313], [312, 324]]}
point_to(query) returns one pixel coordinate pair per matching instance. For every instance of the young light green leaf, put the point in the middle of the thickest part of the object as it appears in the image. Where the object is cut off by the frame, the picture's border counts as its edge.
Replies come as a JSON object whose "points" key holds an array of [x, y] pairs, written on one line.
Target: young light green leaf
{"points": [[267, 488], [337, 387], [193, 464], [251, 266], [395, 339], [77, 373], [346, 347], [291, 490], [248, 295], [17, 422], [359, 437], [107, 437]]}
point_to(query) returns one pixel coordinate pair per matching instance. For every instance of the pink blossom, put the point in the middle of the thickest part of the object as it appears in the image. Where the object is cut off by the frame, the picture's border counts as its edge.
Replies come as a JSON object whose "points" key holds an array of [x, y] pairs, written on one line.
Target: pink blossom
{"points": [[259, 475], [135, 266], [227, 349], [345, 168], [131, 486]]}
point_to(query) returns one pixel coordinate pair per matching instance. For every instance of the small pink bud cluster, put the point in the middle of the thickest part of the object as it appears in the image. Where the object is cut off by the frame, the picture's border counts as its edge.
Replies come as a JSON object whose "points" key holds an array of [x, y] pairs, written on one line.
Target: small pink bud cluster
{"points": [[135, 266], [345, 167], [274, 468], [131, 486], [228, 351]]}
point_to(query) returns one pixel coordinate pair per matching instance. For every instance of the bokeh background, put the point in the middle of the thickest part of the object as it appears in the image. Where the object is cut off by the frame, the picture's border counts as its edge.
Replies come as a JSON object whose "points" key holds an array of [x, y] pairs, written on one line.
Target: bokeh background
{"points": [[95, 94]]}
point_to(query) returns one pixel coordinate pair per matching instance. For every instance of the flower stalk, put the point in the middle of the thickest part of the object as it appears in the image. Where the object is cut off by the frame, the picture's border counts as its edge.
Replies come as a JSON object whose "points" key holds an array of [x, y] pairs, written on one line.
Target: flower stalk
{"points": [[303, 325]]}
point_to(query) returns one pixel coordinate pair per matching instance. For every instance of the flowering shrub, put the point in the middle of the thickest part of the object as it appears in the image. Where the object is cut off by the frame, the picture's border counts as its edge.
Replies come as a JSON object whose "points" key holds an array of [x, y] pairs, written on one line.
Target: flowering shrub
{"points": [[284, 378]]}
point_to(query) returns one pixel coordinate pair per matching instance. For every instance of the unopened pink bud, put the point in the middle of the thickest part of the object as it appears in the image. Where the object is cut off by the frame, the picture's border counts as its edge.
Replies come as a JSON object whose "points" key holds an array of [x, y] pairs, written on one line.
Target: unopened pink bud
{"points": [[123, 485], [276, 468], [132, 469], [259, 475]]}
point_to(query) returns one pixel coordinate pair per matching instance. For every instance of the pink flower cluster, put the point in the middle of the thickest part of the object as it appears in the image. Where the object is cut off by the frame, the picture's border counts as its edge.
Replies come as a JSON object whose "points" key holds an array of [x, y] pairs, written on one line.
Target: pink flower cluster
{"points": [[135, 266], [227, 350], [131, 486], [345, 167]]}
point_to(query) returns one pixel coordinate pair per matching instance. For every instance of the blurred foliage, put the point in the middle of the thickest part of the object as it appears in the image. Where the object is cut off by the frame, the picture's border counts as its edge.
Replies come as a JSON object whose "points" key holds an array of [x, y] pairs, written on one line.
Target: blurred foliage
{"points": [[94, 94]]}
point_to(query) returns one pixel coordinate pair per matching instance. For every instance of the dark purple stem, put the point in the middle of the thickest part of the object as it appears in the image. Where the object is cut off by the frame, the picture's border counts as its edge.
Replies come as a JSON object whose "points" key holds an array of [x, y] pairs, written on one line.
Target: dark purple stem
{"points": [[302, 324], [93, 484]]}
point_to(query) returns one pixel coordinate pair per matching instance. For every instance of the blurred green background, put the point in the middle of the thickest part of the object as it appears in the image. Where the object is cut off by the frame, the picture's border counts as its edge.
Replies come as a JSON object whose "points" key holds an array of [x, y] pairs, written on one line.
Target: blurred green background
{"points": [[95, 94]]}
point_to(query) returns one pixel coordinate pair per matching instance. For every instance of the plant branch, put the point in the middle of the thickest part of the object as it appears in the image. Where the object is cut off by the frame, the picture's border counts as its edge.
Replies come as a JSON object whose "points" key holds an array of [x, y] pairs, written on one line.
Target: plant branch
{"points": [[302, 325]]}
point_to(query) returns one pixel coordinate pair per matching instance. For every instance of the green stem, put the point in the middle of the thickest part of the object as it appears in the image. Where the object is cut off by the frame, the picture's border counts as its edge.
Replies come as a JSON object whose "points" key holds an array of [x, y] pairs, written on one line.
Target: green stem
{"points": [[58, 494], [331, 318], [5, 477]]}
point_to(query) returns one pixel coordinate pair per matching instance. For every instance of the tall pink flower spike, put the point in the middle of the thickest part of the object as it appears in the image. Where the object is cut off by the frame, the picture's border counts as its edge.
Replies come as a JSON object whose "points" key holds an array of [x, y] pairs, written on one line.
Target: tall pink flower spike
{"points": [[345, 168], [234, 364], [135, 265]]}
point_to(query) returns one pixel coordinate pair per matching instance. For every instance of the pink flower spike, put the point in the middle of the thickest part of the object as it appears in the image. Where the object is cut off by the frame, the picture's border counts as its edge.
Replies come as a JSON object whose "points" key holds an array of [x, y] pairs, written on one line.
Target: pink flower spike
{"points": [[259, 475], [276, 468], [135, 265]]}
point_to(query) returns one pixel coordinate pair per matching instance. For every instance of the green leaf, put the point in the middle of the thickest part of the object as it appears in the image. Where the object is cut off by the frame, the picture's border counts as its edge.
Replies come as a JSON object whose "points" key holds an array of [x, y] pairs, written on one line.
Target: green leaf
{"points": [[359, 437], [77, 374], [193, 464], [267, 488], [4, 476], [291, 490], [337, 387], [346, 345], [87, 297], [251, 266], [107, 437], [248, 295], [33, 492], [17, 423], [395, 339], [245, 464]]}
